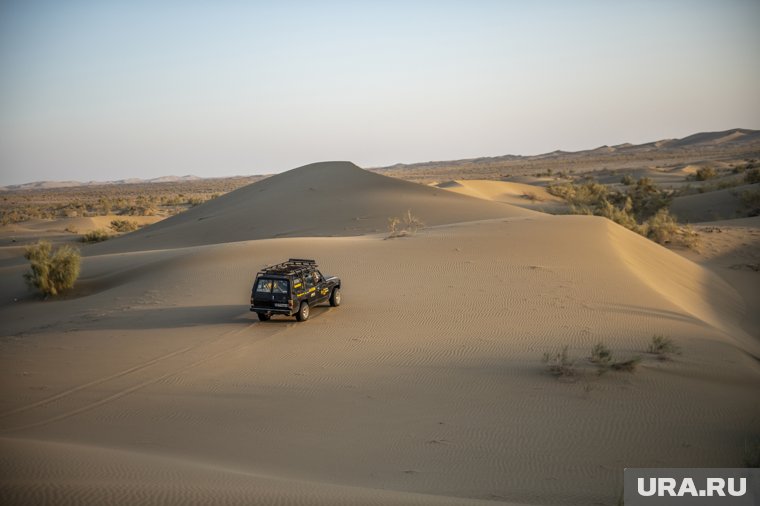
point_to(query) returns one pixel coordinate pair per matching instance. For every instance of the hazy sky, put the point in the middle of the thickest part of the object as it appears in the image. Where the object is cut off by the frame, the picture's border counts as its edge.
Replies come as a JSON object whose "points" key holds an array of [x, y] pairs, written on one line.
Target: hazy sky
{"points": [[115, 89]]}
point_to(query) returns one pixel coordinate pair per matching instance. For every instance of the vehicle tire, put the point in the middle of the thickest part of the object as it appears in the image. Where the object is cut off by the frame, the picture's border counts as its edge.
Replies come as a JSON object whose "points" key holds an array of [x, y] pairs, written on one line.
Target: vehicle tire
{"points": [[303, 312], [263, 316], [335, 297]]}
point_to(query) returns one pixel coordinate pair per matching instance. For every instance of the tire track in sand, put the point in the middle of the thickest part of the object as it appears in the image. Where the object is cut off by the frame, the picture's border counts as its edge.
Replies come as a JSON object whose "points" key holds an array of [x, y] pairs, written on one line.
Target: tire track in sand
{"points": [[205, 349]]}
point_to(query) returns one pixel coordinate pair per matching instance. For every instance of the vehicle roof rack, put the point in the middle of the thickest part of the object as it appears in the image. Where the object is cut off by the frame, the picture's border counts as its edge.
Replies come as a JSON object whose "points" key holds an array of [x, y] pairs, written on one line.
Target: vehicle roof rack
{"points": [[292, 266]]}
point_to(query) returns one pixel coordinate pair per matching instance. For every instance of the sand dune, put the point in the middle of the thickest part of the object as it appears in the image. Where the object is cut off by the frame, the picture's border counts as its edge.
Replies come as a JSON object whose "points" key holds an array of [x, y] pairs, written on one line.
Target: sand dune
{"points": [[321, 199], [152, 383], [710, 206], [517, 194]]}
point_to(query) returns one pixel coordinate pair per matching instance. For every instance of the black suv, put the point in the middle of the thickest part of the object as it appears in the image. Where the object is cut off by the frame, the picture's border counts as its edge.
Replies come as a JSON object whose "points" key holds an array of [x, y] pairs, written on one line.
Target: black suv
{"points": [[291, 288]]}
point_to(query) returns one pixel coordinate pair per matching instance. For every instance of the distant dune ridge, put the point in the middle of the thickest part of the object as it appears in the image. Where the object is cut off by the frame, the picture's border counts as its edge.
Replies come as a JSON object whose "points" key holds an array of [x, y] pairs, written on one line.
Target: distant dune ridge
{"points": [[152, 384]]}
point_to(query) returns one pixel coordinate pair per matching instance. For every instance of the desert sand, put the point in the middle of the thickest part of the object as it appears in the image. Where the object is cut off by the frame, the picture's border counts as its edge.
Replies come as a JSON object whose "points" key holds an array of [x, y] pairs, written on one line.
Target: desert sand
{"points": [[153, 383]]}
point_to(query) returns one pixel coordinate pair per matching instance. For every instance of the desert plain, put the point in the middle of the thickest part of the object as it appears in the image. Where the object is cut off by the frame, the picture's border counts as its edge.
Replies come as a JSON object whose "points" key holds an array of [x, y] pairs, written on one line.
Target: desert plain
{"points": [[151, 382]]}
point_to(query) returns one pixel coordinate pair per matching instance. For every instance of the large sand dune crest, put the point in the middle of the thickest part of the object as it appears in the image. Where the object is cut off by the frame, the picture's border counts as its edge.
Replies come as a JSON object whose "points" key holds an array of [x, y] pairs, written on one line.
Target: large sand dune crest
{"points": [[320, 199]]}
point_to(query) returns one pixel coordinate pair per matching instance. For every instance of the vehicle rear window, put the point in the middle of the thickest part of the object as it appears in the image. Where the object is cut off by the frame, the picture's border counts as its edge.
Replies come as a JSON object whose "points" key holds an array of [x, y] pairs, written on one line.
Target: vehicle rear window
{"points": [[265, 285]]}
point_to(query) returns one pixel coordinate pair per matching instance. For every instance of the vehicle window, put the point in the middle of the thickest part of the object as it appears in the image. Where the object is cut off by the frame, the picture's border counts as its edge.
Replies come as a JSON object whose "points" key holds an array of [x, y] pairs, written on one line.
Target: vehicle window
{"points": [[264, 285], [317, 277], [309, 281], [280, 286]]}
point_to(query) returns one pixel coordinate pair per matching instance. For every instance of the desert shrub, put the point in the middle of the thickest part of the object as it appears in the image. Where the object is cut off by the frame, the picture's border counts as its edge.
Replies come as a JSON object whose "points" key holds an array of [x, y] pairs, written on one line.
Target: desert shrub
{"points": [[51, 272], [559, 364], [620, 215], [602, 358], [705, 173], [627, 365], [663, 229], [96, 236], [627, 180], [533, 197], [406, 225], [662, 346], [600, 354], [586, 195], [752, 176], [124, 225]]}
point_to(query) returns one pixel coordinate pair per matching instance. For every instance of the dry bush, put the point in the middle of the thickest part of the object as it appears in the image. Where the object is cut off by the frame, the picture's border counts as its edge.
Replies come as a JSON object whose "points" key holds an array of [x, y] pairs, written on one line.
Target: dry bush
{"points": [[663, 347], [96, 236], [602, 358], [533, 197], [627, 180], [705, 173], [628, 365], [124, 225], [51, 272], [559, 364], [600, 354], [406, 225], [662, 228]]}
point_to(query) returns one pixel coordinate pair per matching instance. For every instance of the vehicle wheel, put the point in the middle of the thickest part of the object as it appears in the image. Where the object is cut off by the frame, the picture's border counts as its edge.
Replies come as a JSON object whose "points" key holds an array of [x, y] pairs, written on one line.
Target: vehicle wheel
{"points": [[263, 316], [303, 312], [335, 297]]}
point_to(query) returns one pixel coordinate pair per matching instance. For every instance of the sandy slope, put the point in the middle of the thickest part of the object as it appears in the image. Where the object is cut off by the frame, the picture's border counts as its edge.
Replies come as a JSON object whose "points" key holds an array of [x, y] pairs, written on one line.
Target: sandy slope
{"points": [[517, 194], [711, 206], [154, 384], [320, 199]]}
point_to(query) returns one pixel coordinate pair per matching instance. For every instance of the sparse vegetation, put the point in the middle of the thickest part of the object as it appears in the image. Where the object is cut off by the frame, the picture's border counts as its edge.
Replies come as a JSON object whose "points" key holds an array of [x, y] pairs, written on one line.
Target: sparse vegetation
{"points": [[559, 364], [128, 199], [600, 354], [627, 180], [124, 225], [602, 358], [96, 236], [641, 208], [627, 365], [663, 347], [51, 272], [663, 229], [406, 225], [705, 173]]}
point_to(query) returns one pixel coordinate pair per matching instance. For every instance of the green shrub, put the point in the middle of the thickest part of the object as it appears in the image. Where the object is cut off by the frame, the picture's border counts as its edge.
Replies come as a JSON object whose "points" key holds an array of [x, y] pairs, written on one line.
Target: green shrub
{"points": [[705, 173], [124, 225], [51, 272], [627, 365], [600, 354], [627, 180], [96, 236], [560, 364], [662, 346], [663, 229]]}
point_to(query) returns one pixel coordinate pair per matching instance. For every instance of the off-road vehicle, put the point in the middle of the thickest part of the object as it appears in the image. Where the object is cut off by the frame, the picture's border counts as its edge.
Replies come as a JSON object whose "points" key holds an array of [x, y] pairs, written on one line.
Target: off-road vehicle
{"points": [[292, 288]]}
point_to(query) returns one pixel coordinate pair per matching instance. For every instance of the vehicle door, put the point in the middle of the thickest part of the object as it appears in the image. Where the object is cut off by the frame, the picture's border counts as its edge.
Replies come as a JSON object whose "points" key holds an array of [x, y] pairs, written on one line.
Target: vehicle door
{"points": [[311, 288], [323, 291]]}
